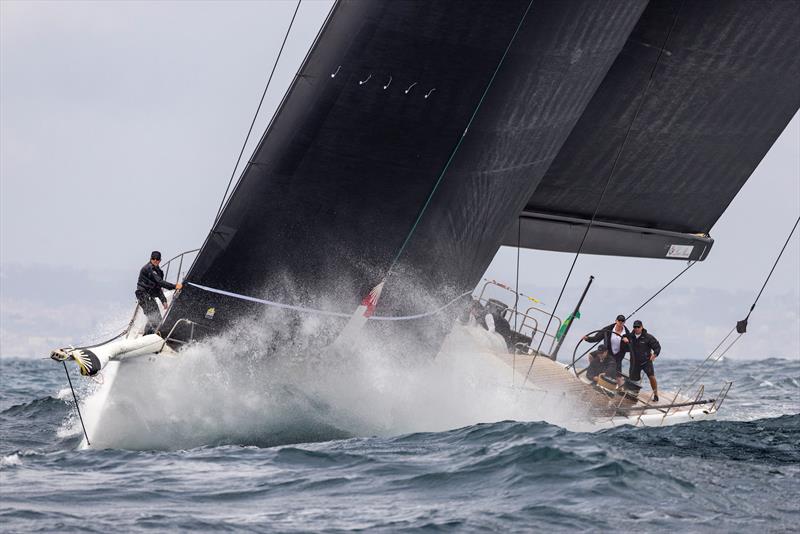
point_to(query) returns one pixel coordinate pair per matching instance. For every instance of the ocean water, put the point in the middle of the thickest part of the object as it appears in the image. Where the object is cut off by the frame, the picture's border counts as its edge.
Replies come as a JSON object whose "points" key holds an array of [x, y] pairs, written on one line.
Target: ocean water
{"points": [[738, 473]]}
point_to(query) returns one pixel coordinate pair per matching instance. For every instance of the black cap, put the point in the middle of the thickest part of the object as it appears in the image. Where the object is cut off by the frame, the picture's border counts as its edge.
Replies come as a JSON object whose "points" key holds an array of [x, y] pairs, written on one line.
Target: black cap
{"points": [[601, 348], [155, 255], [621, 318], [636, 323]]}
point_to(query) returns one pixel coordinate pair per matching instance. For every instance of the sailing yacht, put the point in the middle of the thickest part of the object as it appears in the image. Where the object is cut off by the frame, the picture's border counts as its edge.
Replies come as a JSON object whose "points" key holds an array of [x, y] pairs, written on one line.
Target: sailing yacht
{"points": [[418, 138]]}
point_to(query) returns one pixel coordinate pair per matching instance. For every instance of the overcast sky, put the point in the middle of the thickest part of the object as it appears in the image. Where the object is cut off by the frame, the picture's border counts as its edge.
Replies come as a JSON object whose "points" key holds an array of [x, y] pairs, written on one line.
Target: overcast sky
{"points": [[120, 123]]}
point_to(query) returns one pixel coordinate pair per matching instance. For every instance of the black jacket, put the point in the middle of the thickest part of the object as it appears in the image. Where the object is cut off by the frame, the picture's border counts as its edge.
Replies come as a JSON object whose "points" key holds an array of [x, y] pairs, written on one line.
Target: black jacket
{"points": [[151, 280], [642, 347], [605, 334], [599, 365], [502, 327]]}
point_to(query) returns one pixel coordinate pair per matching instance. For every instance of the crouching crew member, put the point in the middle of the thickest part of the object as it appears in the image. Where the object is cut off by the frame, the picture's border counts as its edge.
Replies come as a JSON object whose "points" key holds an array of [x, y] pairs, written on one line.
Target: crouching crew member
{"points": [[644, 348], [150, 287], [600, 362]]}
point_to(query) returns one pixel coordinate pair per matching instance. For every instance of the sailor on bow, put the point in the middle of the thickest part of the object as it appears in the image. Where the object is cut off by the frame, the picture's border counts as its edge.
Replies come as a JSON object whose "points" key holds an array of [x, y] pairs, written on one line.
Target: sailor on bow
{"points": [[149, 287]]}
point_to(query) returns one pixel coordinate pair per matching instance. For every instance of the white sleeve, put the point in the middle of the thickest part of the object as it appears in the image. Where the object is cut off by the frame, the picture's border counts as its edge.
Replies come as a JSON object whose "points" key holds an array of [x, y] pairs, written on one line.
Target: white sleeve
{"points": [[489, 322]]}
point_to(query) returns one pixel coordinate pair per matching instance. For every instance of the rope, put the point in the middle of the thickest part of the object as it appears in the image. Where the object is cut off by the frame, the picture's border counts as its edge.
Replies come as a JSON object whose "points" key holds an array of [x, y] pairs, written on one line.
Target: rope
{"points": [[701, 370], [458, 144], [691, 378], [691, 264], [520, 293], [303, 309], [645, 303], [770, 272], [605, 188], [516, 282], [258, 109], [516, 303], [77, 406]]}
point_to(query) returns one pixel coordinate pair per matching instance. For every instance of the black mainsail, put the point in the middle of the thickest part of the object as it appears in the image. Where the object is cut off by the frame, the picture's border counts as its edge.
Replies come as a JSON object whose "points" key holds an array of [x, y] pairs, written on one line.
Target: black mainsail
{"points": [[724, 89], [372, 118]]}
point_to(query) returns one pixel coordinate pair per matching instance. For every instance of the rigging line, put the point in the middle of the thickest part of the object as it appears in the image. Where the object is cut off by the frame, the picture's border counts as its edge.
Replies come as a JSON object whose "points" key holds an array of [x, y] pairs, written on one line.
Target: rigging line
{"points": [[691, 264], [708, 367], [699, 368], [458, 144], [608, 182], [516, 282], [304, 309], [258, 109], [773, 269], [77, 406], [516, 302]]}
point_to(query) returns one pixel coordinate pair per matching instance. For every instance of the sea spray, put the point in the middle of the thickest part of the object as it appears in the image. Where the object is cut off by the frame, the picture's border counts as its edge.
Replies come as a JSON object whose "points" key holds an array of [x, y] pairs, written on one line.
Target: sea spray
{"points": [[273, 378], [258, 387]]}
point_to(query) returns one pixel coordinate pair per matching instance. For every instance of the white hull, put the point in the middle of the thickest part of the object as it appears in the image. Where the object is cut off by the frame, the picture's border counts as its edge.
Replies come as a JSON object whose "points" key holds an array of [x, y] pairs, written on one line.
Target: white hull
{"points": [[529, 385], [104, 363]]}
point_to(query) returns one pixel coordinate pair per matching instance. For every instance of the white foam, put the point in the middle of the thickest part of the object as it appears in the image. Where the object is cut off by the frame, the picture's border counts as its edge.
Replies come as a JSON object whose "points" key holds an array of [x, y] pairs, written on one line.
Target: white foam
{"points": [[10, 460], [231, 390]]}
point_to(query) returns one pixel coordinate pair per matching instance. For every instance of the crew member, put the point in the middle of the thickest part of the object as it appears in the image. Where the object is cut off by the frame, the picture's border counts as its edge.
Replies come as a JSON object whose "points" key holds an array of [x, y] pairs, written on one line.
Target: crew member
{"points": [[149, 287], [614, 337], [503, 327], [644, 348], [600, 363]]}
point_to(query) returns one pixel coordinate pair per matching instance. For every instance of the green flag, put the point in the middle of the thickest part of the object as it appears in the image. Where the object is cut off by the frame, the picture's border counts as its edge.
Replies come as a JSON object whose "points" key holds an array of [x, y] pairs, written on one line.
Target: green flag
{"points": [[563, 329]]}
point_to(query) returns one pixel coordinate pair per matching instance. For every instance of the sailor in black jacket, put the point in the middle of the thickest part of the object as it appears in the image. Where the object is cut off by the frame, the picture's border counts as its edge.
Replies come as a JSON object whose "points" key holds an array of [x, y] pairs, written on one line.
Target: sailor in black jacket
{"points": [[149, 287], [615, 337], [644, 348], [600, 363]]}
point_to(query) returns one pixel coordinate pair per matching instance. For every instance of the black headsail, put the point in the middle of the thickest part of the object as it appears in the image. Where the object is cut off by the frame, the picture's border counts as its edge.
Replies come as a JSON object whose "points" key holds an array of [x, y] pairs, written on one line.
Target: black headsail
{"points": [[378, 108], [366, 128]]}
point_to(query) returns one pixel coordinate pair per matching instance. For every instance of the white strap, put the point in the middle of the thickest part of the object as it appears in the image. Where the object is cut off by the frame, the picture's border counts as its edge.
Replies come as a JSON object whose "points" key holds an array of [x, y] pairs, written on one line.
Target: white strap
{"points": [[324, 312]]}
